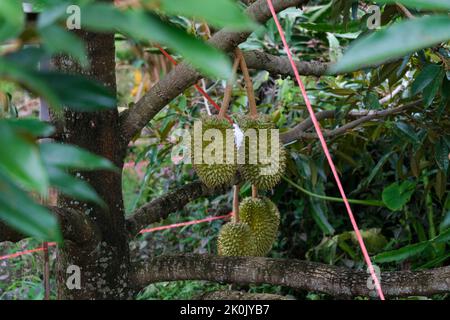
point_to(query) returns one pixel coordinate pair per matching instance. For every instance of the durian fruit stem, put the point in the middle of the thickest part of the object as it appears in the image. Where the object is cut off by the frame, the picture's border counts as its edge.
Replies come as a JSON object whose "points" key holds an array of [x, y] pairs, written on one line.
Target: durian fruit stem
{"points": [[248, 84], [228, 90], [236, 202], [254, 191]]}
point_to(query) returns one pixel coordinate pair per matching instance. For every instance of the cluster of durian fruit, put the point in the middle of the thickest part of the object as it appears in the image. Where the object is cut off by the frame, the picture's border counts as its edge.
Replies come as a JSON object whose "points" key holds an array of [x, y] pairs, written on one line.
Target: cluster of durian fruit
{"points": [[254, 233], [219, 174], [258, 219]]}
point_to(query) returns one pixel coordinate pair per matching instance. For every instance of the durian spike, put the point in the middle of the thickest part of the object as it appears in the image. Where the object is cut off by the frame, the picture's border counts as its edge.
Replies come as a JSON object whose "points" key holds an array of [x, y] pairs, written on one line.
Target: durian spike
{"points": [[248, 84], [254, 191], [228, 90], [236, 202]]}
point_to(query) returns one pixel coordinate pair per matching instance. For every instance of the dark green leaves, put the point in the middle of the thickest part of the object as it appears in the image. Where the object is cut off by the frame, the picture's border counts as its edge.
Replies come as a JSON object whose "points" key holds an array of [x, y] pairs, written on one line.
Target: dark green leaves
{"points": [[27, 166], [421, 4], [58, 40], [425, 77], [72, 157], [411, 250], [402, 253], [428, 82], [219, 13], [394, 42], [145, 26], [397, 195], [76, 92]]}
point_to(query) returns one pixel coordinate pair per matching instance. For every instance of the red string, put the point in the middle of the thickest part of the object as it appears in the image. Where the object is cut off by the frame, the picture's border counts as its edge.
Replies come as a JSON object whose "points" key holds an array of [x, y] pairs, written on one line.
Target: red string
{"points": [[170, 226], [187, 223], [199, 89], [327, 153], [18, 254]]}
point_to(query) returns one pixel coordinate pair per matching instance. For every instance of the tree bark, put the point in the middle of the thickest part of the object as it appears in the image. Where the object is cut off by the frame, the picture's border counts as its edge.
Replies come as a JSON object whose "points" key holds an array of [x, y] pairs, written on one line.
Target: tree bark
{"points": [[296, 274], [104, 261]]}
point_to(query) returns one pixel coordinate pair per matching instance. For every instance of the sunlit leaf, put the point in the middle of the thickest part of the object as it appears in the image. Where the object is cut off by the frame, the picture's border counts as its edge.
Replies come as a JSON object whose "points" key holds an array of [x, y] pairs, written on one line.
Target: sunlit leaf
{"points": [[396, 195], [219, 13], [394, 42], [68, 156]]}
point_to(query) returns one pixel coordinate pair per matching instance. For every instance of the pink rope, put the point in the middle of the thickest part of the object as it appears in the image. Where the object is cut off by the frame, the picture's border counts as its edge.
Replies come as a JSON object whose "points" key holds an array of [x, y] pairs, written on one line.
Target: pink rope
{"points": [[170, 226], [327, 153], [182, 224], [18, 254]]}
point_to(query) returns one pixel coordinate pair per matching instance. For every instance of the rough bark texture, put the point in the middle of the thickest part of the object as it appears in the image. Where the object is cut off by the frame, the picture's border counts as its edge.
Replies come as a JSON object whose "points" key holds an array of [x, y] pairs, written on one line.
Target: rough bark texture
{"points": [[104, 260], [281, 65], [239, 295], [303, 275]]}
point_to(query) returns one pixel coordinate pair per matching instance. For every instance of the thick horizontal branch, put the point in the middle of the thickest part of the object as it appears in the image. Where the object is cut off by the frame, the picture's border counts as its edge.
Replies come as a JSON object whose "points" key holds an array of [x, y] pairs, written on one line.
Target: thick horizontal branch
{"points": [[281, 65], [296, 274], [75, 226], [161, 207], [183, 76]]}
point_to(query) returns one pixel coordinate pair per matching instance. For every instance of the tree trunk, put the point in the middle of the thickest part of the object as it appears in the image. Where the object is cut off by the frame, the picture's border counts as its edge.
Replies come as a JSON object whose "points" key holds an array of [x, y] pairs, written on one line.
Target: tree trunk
{"points": [[103, 260]]}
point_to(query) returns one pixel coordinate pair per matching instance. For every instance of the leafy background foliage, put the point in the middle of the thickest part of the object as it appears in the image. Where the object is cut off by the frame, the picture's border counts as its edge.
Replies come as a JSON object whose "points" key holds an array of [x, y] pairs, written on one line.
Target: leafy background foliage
{"points": [[395, 168]]}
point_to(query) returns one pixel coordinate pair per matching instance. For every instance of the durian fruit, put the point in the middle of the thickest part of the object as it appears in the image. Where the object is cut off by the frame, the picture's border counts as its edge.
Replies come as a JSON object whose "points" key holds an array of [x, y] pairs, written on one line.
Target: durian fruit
{"points": [[264, 175], [263, 218], [235, 239], [223, 171]]}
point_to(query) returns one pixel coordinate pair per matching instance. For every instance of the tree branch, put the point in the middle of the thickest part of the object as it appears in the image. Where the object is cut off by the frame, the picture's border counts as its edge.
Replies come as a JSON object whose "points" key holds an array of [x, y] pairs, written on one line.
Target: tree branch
{"points": [[183, 76], [161, 207], [298, 131], [281, 66], [75, 226], [297, 274]]}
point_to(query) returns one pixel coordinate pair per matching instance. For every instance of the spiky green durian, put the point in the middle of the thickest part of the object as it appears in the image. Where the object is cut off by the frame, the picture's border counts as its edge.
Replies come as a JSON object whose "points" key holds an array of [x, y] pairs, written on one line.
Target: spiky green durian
{"points": [[221, 168], [235, 239], [263, 173], [263, 218]]}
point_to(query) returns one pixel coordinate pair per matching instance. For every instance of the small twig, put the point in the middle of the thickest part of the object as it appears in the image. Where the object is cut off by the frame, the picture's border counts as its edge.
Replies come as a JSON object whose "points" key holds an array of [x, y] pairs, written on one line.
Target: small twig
{"points": [[405, 10], [254, 191], [236, 202], [248, 84], [228, 90]]}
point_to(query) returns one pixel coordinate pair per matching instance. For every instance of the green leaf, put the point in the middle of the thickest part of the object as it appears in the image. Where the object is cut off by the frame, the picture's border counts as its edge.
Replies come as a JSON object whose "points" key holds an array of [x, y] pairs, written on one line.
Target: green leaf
{"points": [[144, 26], [320, 217], [429, 93], [397, 195], [424, 78], [441, 152], [12, 19], [21, 74], [407, 131], [402, 253], [219, 13], [443, 237], [19, 211], [31, 126], [57, 40], [394, 42], [421, 4], [20, 159], [72, 157], [73, 187], [79, 93]]}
